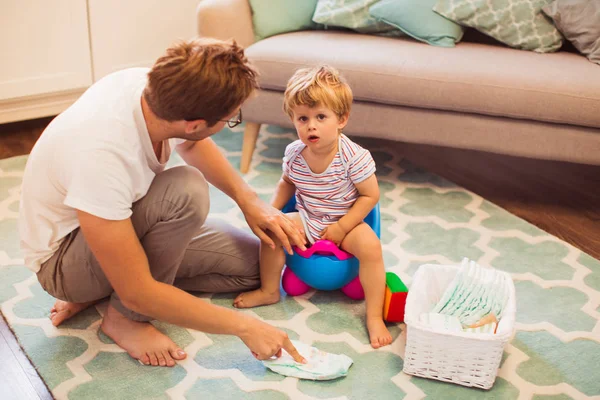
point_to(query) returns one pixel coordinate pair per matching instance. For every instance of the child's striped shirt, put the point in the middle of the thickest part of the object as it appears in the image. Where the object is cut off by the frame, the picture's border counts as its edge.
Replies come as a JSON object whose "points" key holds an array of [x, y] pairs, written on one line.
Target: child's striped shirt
{"points": [[322, 199]]}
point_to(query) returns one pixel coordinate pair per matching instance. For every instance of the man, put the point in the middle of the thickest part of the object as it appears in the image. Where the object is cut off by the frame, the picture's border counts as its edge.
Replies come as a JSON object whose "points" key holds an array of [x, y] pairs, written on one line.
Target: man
{"points": [[100, 217]]}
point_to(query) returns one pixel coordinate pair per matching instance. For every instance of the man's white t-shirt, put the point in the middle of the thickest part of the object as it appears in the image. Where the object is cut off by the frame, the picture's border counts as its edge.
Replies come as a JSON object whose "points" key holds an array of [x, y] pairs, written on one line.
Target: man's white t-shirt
{"points": [[96, 157]]}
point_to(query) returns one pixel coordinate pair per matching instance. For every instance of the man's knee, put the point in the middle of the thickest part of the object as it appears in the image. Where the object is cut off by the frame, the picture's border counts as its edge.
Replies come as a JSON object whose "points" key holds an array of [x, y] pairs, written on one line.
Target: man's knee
{"points": [[189, 189], [248, 282]]}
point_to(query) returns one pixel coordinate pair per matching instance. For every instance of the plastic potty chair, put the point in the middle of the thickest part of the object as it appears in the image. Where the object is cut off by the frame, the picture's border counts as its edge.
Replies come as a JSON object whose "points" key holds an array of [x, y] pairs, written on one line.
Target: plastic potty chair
{"points": [[324, 266]]}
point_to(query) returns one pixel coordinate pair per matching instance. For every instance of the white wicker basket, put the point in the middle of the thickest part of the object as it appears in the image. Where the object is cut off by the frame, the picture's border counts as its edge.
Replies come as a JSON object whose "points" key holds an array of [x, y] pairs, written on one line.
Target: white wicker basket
{"points": [[468, 359]]}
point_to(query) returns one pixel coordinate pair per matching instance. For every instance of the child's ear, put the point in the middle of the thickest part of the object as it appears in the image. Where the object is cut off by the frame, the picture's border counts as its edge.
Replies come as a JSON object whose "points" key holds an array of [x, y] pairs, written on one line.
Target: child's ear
{"points": [[342, 121]]}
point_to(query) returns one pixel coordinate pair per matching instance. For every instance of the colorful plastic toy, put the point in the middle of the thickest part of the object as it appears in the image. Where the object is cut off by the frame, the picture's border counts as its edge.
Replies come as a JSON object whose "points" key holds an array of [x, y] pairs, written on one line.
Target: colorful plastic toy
{"points": [[324, 266], [395, 298]]}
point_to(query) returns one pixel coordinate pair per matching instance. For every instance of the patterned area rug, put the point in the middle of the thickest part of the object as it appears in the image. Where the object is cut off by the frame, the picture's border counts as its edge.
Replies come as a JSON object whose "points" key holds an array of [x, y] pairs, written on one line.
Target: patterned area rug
{"points": [[425, 219]]}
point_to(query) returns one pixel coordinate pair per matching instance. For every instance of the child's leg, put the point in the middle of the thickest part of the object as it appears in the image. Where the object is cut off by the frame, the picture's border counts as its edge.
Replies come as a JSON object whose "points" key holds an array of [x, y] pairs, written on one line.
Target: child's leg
{"points": [[365, 245], [271, 263]]}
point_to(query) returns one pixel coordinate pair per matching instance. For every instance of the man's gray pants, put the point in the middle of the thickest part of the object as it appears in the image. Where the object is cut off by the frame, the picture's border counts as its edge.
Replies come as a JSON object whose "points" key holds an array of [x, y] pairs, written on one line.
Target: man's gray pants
{"points": [[183, 248]]}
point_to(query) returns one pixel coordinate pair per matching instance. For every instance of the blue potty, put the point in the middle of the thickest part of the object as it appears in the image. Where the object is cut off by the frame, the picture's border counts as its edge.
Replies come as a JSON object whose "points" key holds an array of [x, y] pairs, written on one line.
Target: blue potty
{"points": [[324, 266]]}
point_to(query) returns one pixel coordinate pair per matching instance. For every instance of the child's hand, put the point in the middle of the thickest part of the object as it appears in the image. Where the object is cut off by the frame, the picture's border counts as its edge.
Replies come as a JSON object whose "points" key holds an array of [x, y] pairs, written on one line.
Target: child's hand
{"points": [[335, 233]]}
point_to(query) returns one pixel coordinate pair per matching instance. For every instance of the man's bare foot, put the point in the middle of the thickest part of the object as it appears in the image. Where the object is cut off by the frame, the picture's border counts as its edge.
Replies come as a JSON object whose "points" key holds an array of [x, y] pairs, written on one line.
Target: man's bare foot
{"points": [[141, 340], [256, 298], [378, 333], [63, 310]]}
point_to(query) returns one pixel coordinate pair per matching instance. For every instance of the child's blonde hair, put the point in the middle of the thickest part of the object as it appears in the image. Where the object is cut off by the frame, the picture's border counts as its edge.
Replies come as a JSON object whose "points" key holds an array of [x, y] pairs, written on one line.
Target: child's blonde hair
{"points": [[321, 85]]}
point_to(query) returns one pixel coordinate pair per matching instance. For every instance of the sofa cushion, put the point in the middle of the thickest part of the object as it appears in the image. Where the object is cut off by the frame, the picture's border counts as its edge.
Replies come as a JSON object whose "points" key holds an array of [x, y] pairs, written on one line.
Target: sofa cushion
{"points": [[471, 77]]}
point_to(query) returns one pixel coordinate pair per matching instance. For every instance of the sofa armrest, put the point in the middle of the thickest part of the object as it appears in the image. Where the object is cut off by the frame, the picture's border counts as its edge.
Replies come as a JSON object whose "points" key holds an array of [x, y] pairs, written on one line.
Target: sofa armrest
{"points": [[226, 19]]}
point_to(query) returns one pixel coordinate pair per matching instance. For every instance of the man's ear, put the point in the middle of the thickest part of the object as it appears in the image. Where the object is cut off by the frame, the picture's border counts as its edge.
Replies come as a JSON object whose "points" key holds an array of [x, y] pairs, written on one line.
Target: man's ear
{"points": [[195, 125]]}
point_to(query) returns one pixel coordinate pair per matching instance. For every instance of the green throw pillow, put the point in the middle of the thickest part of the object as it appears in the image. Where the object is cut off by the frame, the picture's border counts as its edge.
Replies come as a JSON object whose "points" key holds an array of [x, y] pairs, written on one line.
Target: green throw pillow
{"points": [[517, 23], [351, 14], [271, 17], [417, 19]]}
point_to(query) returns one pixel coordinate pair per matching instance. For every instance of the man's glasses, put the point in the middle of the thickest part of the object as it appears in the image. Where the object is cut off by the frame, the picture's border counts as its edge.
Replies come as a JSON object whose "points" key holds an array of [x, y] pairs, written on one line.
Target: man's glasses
{"points": [[232, 123]]}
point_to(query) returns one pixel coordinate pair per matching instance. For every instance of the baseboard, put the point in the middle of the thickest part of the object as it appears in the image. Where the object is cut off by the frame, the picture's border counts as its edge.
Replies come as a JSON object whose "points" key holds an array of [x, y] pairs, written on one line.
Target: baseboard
{"points": [[37, 106]]}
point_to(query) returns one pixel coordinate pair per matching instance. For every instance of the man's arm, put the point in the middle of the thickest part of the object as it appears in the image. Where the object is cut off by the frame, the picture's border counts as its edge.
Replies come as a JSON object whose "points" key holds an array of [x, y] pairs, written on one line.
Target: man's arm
{"points": [[206, 156], [123, 261]]}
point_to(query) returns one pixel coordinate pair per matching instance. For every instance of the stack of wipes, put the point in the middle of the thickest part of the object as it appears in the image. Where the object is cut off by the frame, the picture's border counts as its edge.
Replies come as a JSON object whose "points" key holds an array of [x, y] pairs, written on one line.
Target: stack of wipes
{"points": [[473, 302]]}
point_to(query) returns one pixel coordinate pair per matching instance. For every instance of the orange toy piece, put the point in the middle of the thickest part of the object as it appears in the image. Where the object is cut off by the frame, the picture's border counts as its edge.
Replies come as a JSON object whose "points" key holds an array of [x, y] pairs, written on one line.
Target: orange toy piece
{"points": [[395, 298]]}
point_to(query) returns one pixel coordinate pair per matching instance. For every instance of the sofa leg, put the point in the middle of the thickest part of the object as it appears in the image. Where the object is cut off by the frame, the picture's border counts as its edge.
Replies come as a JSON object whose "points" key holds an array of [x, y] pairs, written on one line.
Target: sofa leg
{"points": [[248, 145]]}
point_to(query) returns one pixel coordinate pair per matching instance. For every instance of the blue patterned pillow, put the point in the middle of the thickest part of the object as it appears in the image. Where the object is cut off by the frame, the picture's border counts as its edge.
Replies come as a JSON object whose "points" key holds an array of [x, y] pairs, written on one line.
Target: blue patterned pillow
{"points": [[351, 14], [516, 23]]}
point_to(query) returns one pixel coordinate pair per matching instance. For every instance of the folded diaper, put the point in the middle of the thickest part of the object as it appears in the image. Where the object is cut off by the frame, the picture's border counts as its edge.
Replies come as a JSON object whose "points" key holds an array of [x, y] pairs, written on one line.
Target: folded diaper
{"points": [[441, 321], [320, 365], [474, 296]]}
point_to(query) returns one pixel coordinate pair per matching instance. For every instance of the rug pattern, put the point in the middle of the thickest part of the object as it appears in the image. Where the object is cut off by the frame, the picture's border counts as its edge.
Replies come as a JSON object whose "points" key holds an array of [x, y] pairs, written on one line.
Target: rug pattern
{"points": [[425, 219]]}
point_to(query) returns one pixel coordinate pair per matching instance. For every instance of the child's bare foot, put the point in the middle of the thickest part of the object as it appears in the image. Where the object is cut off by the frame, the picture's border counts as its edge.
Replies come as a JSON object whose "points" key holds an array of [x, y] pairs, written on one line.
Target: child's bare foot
{"points": [[63, 310], [378, 333], [256, 298], [141, 340]]}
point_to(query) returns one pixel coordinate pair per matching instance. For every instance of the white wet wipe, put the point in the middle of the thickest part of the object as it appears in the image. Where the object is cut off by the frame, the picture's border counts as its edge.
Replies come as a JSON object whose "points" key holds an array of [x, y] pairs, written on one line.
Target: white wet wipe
{"points": [[320, 366]]}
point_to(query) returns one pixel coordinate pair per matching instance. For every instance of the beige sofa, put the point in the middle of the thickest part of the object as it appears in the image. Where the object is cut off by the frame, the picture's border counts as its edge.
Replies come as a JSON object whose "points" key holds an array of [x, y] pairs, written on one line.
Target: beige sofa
{"points": [[478, 96]]}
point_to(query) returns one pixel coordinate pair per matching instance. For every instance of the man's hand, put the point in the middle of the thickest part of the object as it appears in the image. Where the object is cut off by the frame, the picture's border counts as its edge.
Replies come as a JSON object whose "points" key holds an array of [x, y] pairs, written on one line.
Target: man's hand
{"points": [[266, 341], [335, 233], [261, 217]]}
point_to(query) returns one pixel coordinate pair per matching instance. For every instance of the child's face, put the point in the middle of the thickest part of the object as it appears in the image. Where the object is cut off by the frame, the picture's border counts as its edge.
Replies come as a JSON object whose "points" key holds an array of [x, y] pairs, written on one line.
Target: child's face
{"points": [[317, 127]]}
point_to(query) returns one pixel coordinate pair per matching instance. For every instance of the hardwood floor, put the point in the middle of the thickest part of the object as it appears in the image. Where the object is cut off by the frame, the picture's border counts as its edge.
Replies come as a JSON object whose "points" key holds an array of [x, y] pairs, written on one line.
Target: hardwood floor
{"points": [[18, 378], [18, 138], [560, 198]]}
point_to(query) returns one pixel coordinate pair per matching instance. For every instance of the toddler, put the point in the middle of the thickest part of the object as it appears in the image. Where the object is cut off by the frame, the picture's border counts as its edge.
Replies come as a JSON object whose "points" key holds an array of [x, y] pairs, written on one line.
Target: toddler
{"points": [[335, 186]]}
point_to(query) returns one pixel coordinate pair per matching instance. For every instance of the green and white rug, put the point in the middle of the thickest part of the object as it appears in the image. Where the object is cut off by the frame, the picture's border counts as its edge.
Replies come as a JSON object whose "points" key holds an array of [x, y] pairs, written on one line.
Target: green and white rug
{"points": [[555, 353]]}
